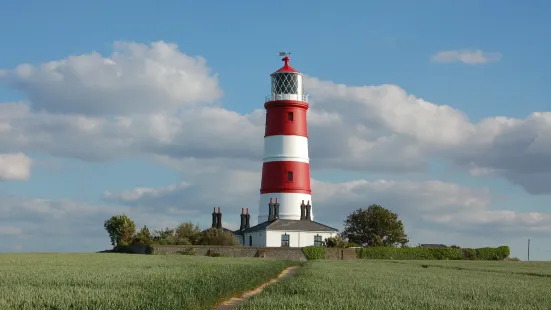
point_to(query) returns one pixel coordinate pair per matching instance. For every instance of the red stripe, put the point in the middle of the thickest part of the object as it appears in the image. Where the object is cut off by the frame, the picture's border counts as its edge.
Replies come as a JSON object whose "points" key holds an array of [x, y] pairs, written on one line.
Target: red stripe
{"points": [[278, 118], [275, 177]]}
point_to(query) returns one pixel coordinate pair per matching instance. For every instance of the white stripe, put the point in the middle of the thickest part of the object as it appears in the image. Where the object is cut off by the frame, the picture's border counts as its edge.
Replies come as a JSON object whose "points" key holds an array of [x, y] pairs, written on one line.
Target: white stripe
{"points": [[286, 148], [287, 158], [289, 205]]}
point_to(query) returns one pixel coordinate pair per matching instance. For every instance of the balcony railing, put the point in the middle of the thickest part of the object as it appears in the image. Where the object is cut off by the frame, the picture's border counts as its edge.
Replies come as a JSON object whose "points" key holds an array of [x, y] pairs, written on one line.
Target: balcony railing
{"points": [[275, 97]]}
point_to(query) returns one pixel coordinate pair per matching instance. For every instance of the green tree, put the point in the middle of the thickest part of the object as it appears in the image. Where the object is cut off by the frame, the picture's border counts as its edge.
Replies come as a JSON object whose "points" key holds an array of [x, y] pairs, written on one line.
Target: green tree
{"points": [[121, 229], [144, 235], [188, 231], [336, 242], [215, 236], [164, 236], [375, 226]]}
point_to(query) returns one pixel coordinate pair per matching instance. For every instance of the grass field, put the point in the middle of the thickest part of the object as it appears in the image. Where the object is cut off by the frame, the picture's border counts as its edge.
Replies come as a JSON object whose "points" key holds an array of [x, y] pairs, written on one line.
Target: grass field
{"points": [[118, 281], [369, 284]]}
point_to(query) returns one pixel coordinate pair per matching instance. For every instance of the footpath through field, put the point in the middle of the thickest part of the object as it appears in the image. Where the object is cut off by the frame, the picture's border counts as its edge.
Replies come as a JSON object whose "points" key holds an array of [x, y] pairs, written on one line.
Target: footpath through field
{"points": [[235, 301]]}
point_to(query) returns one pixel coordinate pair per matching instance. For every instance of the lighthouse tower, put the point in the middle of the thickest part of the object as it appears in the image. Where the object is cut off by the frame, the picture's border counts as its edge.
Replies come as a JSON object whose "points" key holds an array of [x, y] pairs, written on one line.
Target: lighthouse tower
{"points": [[286, 166]]}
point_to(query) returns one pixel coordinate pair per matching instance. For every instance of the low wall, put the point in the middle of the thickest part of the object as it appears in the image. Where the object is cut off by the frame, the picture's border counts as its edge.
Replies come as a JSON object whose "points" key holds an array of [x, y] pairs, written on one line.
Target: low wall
{"points": [[231, 251], [340, 253]]}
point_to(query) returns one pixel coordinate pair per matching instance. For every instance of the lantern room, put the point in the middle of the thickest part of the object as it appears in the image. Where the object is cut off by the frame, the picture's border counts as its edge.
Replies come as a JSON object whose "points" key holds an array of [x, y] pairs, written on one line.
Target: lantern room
{"points": [[287, 84]]}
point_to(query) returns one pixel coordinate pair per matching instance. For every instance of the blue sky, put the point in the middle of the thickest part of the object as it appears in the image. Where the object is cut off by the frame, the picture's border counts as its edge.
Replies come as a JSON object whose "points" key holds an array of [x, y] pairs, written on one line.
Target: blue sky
{"points": [[354, 43]]}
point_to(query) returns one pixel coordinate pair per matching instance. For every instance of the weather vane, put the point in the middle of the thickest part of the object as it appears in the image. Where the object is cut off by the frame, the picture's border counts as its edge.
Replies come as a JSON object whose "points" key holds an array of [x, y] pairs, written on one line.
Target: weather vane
{"points": [[284, 53]]}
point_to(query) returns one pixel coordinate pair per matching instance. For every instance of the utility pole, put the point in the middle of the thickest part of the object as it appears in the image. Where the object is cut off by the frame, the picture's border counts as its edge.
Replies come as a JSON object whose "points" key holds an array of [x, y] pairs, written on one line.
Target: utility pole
{"points": [[528, 249]]}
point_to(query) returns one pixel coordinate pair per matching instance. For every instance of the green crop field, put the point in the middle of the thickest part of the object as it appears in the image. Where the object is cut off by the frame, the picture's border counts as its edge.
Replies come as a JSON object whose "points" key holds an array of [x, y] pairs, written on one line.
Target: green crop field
{"points": [[370, 284], [119, 281]]}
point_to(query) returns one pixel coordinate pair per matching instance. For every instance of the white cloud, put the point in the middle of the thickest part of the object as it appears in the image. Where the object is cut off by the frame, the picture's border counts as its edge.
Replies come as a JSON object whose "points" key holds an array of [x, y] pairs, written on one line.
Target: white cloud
{"points": [[49, 221], [375, 128], [445, 206], [136, 78], [456, 212], [156, 101], [467, 56], [432, 211], [15, 166]]}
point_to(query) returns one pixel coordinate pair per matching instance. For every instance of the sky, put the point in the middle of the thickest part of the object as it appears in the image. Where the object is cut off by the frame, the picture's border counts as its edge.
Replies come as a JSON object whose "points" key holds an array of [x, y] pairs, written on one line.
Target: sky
{"points": [[436, 110]]}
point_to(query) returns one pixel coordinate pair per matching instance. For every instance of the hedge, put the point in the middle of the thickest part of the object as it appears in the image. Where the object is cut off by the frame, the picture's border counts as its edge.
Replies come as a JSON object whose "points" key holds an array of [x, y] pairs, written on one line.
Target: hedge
{"points": [[314, 252], [134, 249], [421, 253]]}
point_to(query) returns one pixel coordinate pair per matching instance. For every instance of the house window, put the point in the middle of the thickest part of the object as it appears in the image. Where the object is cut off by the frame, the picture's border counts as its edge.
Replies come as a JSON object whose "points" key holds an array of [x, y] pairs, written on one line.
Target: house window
{"points": [[289, 176], [317, 240], [250, 240], [290, 116], [285, 240]]}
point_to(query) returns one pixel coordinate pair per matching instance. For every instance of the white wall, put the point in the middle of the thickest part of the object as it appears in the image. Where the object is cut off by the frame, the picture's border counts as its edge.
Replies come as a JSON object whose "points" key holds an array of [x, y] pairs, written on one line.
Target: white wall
{"points": [[289, 205], [272, 238], [296, 238]]}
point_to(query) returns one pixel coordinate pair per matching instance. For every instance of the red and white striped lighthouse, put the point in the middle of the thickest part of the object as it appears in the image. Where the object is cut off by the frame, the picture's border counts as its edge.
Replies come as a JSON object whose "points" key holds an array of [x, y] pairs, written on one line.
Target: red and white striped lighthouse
{"points": [[286, 166]]}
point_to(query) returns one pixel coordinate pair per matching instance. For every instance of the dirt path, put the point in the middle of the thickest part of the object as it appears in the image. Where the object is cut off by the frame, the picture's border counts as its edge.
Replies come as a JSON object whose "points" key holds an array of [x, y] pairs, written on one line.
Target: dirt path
{"points": [[235, 301]]}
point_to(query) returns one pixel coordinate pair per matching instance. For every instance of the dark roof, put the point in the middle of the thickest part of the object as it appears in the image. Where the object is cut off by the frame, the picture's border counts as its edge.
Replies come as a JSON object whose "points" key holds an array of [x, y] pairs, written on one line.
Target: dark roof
{"points": [[290, 225], [433, 245]]}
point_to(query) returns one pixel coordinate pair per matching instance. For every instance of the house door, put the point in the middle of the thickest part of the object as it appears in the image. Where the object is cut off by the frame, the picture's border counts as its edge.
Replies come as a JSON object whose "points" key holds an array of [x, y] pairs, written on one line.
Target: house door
{"points": [[250, 240]]}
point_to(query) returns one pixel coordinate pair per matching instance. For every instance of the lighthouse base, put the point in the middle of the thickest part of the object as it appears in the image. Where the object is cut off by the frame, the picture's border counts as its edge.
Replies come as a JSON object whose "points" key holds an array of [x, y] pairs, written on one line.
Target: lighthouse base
{"points": [[289, 205]]}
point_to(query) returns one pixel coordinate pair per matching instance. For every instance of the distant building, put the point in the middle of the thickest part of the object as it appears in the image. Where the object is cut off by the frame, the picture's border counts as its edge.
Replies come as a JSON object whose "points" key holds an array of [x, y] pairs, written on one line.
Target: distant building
{"points": [[277, 232], [428, 245]]}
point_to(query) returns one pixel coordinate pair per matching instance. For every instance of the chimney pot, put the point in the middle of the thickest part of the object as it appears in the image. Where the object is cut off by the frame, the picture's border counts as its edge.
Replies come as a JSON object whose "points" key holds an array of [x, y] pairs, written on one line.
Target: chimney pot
{"points": [[219, 219], [277, 200], [242, 212], [271, 210], [247, 210]]}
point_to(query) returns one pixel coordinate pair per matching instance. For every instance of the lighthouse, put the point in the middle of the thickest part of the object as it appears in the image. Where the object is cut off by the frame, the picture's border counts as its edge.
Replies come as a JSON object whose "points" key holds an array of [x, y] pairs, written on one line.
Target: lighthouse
{"points": [[285, 217], [286, 166]]}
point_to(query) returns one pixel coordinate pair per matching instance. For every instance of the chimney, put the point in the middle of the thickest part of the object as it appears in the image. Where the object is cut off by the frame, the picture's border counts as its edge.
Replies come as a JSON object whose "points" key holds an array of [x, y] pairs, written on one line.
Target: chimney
{"points": [[308, 210], [219, 219], [247, 220], [302, 211], [242, 226], [276, 209], [214, 218], [271, 210]]}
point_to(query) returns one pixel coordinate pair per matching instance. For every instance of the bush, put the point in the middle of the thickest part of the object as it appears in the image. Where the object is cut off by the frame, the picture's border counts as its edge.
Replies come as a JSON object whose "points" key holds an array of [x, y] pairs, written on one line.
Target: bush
{"points": [[138, 248], [314, 252], [335, 242], [499, 253], [468, 254], [503, 252], [352, 245], [421, 253], [394, 253], [215, 236]]}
